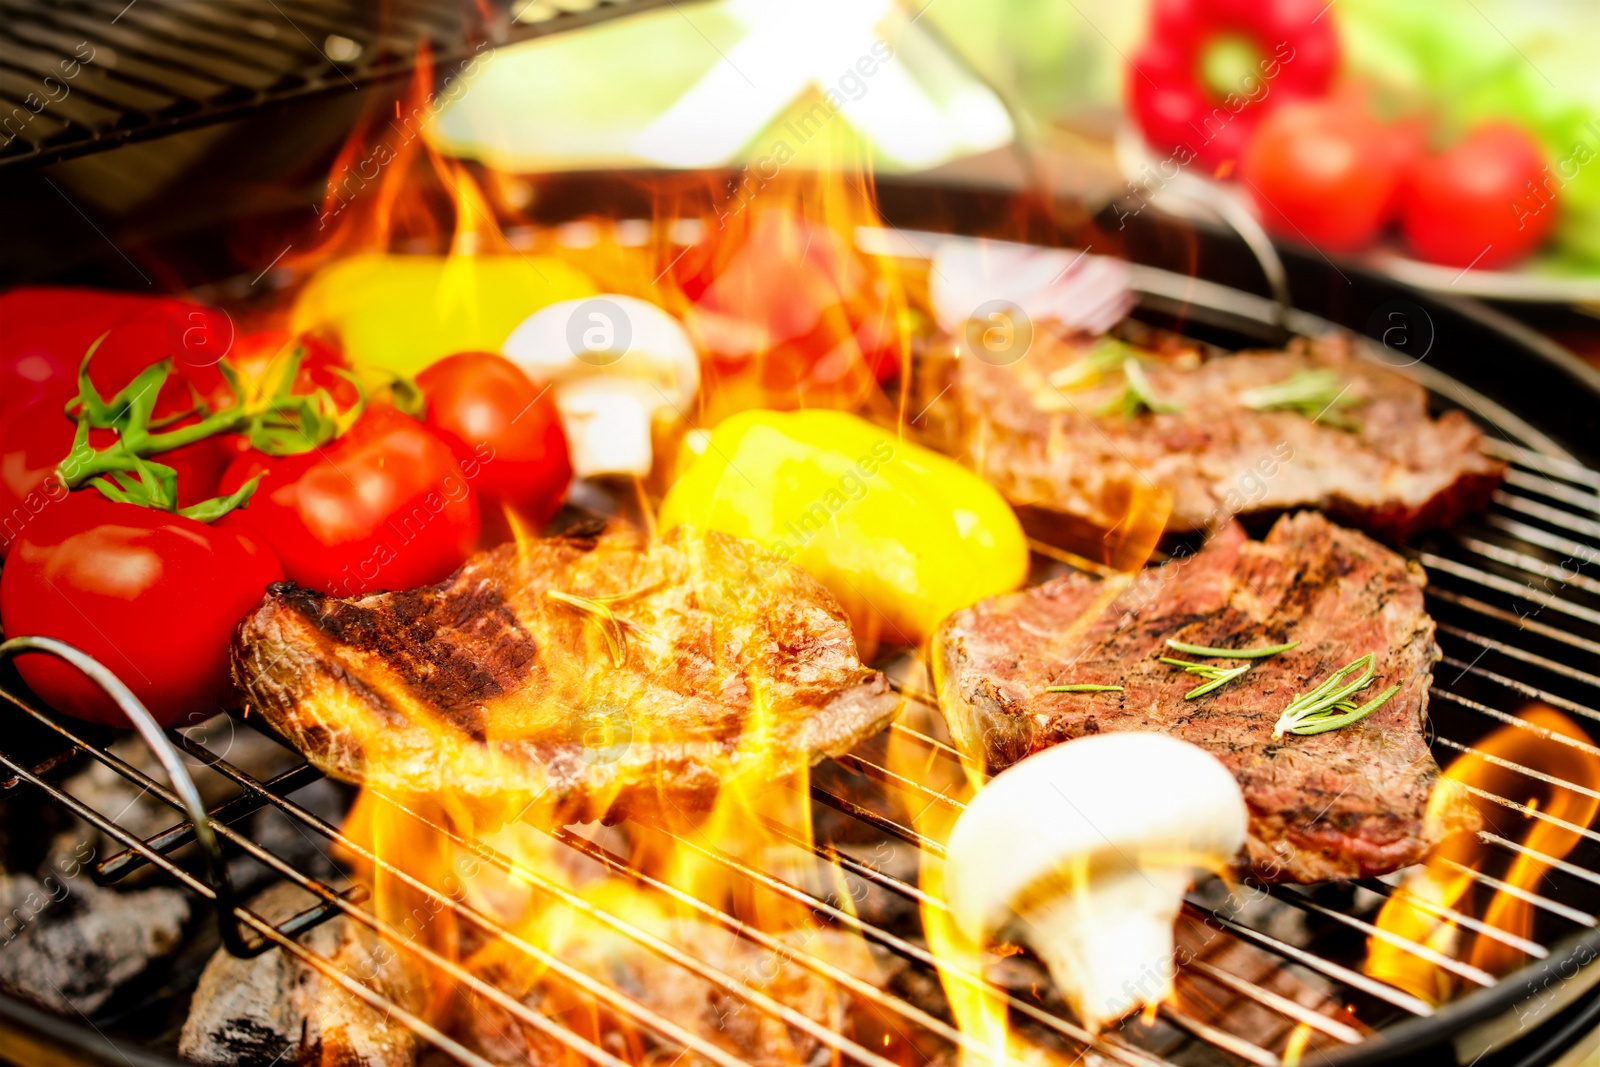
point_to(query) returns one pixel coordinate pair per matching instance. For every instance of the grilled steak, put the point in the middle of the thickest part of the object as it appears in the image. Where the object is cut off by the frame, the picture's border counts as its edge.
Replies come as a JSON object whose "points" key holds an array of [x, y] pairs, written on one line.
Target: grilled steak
{"points": [[1072, 471], [1349, 803], [579, 678]]}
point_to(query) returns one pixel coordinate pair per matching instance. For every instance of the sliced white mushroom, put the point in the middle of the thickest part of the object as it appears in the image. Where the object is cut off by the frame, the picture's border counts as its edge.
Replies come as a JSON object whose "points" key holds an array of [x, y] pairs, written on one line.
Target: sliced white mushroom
{"points": [[617, 363], [1084, 851]]}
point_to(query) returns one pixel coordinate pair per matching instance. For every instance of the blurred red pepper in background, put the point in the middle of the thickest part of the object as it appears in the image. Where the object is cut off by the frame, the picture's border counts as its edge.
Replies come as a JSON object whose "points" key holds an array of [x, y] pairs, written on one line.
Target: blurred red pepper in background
{"points": [[796, 297], [1210, 70]]}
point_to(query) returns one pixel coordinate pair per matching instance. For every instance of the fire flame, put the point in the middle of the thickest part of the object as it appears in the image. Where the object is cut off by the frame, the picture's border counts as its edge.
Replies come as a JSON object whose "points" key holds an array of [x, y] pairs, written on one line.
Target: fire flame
{"points": [[788, 313], [1557, 803]]}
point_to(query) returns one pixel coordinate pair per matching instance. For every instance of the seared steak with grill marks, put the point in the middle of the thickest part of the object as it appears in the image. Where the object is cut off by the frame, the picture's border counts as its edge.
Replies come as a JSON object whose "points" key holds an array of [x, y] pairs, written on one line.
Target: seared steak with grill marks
{"points": [[1072, 471], [1349, 803], [580, 678]]}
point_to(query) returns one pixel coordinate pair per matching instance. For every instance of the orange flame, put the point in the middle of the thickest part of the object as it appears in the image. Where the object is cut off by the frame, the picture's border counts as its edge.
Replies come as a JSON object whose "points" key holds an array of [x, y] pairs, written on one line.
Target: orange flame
{"points": [[1557, 802]]}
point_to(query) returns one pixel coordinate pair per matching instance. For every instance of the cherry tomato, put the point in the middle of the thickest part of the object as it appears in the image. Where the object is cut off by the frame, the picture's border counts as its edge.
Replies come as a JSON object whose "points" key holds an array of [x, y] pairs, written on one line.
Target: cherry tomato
{"points": [[491, 413], [819, 322], [1485, 202], [44, 333], [153, 596], [385, 506], [1324, 172], [35, 438]]}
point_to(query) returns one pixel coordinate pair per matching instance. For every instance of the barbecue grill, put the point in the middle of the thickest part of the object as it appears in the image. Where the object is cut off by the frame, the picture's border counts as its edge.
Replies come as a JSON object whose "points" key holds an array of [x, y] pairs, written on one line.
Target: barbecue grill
{"points": [[1513, 591]]}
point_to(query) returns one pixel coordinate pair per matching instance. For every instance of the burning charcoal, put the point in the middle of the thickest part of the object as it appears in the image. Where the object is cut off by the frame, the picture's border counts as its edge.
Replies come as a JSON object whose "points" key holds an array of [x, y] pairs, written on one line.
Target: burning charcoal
{"points": [[742, 1029], [274, 1008], [69, 944], [136, 811]]}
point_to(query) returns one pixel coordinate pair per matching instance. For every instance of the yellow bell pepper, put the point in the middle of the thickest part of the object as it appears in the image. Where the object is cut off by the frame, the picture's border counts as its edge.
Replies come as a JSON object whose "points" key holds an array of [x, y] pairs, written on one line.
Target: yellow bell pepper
{"points": [[402, 312], [902, 536]]}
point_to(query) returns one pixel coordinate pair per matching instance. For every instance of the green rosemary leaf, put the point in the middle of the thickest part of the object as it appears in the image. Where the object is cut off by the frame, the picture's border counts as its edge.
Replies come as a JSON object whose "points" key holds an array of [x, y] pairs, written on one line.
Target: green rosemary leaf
{"points": [[1216, 677], [1230, 653], [1332, 695], [1354, 714], [1220, 679], [610, 627], [1317, 394], [1107, 354]]}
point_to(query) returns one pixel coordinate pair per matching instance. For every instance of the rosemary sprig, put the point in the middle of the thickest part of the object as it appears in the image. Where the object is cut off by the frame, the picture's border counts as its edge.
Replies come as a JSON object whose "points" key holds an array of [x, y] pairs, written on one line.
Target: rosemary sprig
{"points": [[1107, 355], [1217, 676], [1319, 395], [1083, 687], [1137, 395], [1230, 653], [1328, 706], [610, 626]]}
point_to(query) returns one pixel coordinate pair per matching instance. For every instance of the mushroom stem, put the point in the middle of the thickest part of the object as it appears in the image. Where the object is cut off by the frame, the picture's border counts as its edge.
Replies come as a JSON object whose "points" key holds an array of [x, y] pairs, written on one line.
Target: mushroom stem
{"points": [[1110, 947]]}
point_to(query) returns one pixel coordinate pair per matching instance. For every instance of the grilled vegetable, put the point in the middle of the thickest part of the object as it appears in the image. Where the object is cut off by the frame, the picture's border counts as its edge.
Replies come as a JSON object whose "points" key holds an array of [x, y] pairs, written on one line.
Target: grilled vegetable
{"points": [[405, 312], [1084, 851], [153, 596], [1486, 202], [481, 401], [385, 506], [901, 535], [1211, 69], [617, 364]]}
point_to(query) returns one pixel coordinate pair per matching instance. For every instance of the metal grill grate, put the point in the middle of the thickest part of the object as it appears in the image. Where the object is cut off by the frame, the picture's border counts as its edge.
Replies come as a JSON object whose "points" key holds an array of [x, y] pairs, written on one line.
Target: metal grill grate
{"points": [[1519, 620], [77, 76]]}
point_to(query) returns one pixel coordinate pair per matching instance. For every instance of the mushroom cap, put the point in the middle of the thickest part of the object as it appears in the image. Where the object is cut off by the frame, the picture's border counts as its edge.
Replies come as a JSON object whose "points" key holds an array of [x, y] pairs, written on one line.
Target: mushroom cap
{"points": [[609, 336], [615, 362], [1105, 802]]}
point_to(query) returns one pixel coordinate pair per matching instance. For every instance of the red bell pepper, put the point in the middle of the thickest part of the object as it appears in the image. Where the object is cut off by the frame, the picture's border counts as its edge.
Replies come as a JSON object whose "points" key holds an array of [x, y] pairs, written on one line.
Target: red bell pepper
{"points": [[1211, 69]]}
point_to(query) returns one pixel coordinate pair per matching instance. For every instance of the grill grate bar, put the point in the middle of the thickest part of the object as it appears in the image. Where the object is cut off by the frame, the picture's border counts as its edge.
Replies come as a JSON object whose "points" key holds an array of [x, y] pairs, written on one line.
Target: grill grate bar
{"points": [[1533, 659], [1440, 911], [1532, 692], [638, 1013], [1529, 564], [1512, 720], [879, 773], [182, 65], [1543, 538], [1566, 494], [933, 848], [1533, 813], [1526, 622], [1265, 997], [124, 863], [895, 944], [1222, 1039], [1279, 1003], [1476, 975], [390, 932], [1544, 512], [1488, 837], [1505, 585], [266, 931], [1511, 765], [1579, 917], [911, 1013], [1311, 961], [1538, 461], [665, 950]]}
